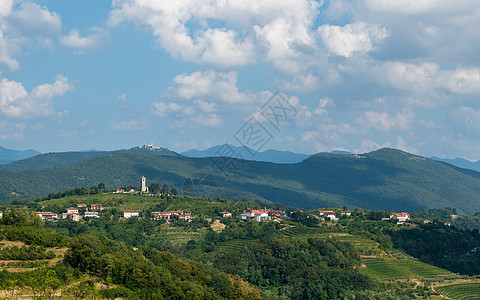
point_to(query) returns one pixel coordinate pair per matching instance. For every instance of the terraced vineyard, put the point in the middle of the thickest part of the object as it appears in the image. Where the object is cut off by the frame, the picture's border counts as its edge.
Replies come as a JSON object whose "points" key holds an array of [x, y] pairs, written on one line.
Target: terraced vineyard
{"points": [[233, 245], [363, 244], [389, 268], [460, 291]]}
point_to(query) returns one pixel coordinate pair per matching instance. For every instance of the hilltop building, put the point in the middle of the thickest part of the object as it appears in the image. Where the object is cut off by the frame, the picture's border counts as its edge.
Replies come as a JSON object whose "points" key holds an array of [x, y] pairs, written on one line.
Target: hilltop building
{"points": [[150, 146]]}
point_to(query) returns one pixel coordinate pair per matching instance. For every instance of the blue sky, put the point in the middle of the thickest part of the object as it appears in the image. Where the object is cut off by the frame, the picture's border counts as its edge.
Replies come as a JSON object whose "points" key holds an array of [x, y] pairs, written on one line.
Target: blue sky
{"points": [[355, 75]]}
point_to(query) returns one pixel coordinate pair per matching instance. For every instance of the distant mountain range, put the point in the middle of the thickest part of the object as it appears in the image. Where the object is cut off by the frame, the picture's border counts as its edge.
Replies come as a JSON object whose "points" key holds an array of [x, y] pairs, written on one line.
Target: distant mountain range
{"points": [[275, 156], [386, 179], [8, 155], [460, 162]]}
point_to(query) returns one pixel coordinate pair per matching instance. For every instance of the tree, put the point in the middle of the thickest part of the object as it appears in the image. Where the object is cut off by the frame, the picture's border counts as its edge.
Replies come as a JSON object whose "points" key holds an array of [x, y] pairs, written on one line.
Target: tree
{"points": [[154, 188], [165, 187], [174, 191], [101, 187]]}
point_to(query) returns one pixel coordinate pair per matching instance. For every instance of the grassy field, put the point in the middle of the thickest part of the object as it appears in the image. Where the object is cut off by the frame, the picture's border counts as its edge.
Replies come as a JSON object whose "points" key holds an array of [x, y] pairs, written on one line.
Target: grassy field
{"points": [[389, 268], [460, 291]]}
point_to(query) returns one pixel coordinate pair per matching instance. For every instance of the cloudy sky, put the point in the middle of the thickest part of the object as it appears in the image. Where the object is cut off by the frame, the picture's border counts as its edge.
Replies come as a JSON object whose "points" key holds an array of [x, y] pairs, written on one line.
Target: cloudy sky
{"points": [[351, 75]]}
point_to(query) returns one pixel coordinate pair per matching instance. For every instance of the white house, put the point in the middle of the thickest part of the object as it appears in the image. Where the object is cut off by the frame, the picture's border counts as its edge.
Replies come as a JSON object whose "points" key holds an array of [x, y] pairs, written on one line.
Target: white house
{"points": [[225, 214], [261, 217], [130, 213], [347, 213], [400, 217], [72, 210], [91, 214], [328, 214], [47, 216]]}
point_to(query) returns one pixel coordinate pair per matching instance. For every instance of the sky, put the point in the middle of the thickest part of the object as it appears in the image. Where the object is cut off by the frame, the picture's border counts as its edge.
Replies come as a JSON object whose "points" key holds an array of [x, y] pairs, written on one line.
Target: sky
{"points": [[298, 75]]}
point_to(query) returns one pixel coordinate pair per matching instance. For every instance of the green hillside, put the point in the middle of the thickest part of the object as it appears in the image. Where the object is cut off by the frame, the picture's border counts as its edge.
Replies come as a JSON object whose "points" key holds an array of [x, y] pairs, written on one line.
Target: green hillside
{"points": [[386, 179], [211, 257]]}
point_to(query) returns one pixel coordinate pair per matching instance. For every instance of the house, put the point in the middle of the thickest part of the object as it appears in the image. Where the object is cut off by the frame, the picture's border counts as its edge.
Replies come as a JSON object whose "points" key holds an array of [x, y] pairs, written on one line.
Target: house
{"points": [[168, 215], [91, 214], [119, 191], [261, 217], [185, 217], [1, 214], [130, 213], [157, 215], [225, 214], [243, 216], [72, 210], [82, 205], [400, 217], [252, 212], [328, 214], [47, 215], [427, 221], [347, 213], [447, 224], [74, 217], [96, 207]]}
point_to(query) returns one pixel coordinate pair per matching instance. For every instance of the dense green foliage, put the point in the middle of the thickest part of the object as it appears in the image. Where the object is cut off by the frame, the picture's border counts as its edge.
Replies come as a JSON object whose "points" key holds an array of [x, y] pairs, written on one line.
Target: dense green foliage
{"points": [[27, 227], [386, 179], [156, 275], [298, 269], [437, 214], [447, 247], [25, 253]]}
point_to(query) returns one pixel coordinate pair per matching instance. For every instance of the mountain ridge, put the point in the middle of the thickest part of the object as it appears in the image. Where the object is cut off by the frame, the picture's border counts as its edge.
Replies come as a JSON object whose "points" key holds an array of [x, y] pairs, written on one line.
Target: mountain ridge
{"points": [[10, 155], [385, 179]]}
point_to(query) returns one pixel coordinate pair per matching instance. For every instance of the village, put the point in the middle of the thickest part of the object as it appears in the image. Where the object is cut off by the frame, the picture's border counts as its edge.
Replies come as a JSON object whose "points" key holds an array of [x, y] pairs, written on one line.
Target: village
{"points": [[85, 211]]}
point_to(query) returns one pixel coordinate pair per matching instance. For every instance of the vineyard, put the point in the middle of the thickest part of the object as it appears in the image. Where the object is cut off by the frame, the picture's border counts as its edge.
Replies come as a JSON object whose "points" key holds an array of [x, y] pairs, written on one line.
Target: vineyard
{"points": [[388, 268], [460, 291], [362, 244]]}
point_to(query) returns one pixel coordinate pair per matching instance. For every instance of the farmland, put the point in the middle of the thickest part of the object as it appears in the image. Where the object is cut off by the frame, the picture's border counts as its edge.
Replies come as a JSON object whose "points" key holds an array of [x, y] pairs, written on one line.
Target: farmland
{"points": [[390, 268], [460, 291]]}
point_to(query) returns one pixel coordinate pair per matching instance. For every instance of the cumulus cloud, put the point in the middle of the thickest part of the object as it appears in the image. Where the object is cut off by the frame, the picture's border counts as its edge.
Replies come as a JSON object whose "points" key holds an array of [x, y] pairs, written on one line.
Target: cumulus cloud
{"points": [[32, 20], [22, 23], [93, 41], [208, 84], [383, 121], [16, 102], [427, 78], [352, 38]]}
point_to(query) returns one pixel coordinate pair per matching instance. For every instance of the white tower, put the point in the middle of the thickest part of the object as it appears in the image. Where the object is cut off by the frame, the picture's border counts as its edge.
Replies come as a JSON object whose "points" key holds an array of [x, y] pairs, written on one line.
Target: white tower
{"points": [[144, 185]]}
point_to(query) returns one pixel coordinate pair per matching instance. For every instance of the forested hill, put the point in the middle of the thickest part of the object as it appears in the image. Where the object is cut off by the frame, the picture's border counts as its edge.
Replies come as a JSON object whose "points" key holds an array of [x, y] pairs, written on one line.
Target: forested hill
{"points": [[61, 159], [386, 179]]}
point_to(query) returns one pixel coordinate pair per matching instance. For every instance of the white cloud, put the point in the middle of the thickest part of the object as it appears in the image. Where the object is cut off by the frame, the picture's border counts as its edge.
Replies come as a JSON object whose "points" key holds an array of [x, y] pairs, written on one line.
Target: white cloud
{"points": [[322, 106], [23, 23], [16, 102], [429, 77], [6, 49], [93, 41], [208, 84], [32, 20], [368, 146], [11, 130], [382, 121], [131, 125], [402, 145], [351, 38]]}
